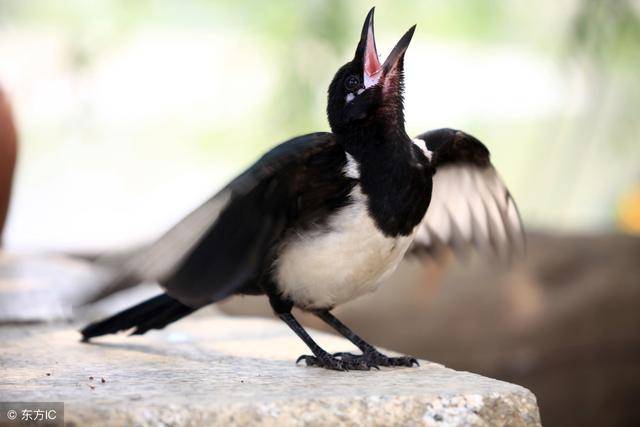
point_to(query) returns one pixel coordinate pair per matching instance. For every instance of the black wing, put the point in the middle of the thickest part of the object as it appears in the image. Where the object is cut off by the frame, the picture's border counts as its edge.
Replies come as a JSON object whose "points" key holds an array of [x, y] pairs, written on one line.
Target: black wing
{"points": [[223, 245], [470, 205]]}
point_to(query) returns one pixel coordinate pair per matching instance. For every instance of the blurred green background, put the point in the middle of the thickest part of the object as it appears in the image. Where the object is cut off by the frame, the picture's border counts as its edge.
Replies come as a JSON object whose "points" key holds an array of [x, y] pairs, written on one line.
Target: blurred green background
{"points": [[131, 113]]}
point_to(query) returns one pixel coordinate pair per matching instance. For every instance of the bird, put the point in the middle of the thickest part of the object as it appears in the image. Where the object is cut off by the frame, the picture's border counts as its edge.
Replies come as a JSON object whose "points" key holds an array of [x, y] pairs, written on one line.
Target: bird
{"points": [[324, 218]]}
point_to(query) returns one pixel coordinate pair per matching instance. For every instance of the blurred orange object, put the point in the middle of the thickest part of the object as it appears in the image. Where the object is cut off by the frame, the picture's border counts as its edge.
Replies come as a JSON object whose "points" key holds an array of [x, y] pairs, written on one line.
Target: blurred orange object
{"points": [[8, 153], [629, 211]]}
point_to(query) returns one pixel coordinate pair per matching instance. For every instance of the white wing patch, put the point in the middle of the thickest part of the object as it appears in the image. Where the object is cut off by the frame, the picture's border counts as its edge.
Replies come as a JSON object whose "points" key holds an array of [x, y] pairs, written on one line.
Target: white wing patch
{"points": [[423, 146], [471, 205]]}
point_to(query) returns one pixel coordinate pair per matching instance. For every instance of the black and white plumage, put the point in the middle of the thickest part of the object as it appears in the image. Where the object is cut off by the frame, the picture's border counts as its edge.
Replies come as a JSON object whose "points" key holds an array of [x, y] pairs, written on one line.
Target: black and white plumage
{"points": [[470, 204], [326, 217]]}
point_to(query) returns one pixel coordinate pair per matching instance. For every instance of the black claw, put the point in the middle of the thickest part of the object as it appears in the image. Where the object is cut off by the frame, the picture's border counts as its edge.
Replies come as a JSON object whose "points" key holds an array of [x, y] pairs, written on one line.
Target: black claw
{"points": [[343, 361], [407, 361], [334, 363], [374, 359], [327, 363]]}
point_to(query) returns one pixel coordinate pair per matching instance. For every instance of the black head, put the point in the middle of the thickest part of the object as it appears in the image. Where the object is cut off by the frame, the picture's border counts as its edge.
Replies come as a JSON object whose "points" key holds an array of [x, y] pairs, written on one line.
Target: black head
{"points": [[363, 91]]}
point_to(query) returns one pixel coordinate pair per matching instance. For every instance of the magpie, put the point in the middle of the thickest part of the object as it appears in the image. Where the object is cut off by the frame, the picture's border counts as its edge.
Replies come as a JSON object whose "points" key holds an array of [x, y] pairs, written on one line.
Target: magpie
{"points": [[324, 218]]}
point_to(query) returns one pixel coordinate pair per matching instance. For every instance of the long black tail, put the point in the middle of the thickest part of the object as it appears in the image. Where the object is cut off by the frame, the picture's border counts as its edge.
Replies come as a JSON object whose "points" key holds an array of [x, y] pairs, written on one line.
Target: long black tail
{"points": [[154, 313]]}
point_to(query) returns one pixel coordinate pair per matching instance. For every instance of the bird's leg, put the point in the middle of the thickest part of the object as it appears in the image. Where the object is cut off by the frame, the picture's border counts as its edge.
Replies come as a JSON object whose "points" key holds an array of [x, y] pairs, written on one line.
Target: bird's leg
{"points": [[370, 356], [320, 358], [282, 307]]}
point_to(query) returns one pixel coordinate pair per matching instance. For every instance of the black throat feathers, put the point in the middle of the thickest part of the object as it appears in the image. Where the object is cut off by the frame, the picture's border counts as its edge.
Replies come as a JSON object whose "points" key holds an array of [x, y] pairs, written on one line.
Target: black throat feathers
{"points": [[395, 175]]}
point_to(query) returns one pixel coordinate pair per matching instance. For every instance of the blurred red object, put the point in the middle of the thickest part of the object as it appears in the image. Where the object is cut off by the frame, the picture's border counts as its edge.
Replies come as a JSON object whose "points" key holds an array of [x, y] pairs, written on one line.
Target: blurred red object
{"points": [[8, 154]]}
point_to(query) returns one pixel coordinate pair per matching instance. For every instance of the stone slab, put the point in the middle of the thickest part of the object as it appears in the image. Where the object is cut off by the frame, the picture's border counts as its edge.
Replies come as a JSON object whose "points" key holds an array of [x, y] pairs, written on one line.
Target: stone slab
{"points": [[238, 371]]}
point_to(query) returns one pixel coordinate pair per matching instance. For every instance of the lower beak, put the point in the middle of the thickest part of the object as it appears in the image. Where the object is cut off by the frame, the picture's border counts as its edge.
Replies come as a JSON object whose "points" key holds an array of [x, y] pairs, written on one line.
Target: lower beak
{"points": [[398, 51]]}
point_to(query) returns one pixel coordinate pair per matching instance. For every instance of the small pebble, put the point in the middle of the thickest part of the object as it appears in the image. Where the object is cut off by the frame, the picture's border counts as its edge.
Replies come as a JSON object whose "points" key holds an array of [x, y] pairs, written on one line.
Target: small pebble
{"points": [[48, 374], [102, 380], [91, 378], [91, 386]]}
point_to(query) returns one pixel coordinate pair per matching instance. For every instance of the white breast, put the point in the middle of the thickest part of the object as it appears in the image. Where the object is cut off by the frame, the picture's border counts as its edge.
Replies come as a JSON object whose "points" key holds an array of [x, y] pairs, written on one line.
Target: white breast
{"points": [[337, 263]]}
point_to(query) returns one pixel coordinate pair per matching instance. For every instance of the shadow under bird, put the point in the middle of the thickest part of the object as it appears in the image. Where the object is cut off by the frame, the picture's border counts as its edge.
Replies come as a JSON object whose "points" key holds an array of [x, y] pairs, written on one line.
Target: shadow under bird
{"points": [[326, 217]]}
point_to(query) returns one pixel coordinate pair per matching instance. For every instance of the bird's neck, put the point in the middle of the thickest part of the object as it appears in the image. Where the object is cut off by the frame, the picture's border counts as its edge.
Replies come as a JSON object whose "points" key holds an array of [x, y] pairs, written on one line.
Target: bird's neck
{"points": [[378, 136]]}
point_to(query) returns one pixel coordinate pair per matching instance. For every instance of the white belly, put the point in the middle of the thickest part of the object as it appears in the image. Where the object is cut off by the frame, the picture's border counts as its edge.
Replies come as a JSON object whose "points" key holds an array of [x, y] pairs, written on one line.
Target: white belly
{"points": [[348, 258]]}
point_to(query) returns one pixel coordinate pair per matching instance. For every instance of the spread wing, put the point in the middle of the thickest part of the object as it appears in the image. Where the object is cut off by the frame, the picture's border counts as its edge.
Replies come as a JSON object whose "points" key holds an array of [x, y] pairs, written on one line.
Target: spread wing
{"points": [[222, 245], [470, 204]]}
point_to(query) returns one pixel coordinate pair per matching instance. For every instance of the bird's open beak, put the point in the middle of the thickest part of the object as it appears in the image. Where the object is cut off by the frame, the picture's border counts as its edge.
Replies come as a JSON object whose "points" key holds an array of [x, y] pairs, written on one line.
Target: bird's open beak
{"points": [[373, 71]]}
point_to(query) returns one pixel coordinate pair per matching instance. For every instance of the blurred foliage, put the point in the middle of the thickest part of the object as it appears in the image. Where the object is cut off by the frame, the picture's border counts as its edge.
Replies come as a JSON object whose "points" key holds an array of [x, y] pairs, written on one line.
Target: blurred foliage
{"points": [[567, 167], [606, 31], [605, 37]]}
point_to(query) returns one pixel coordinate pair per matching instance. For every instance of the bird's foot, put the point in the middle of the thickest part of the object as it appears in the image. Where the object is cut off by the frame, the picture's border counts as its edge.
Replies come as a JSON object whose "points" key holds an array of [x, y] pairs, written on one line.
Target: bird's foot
{"points": [[328, 361], [375, 359]]}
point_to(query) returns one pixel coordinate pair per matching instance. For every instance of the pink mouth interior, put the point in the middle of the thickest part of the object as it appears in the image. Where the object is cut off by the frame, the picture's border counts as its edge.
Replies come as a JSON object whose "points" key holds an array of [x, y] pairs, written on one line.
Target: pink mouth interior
{"points": [[371, 63]]}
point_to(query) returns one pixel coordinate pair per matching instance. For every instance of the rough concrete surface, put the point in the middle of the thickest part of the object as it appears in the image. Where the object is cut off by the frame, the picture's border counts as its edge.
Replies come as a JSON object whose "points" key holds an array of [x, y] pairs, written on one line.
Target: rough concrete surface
{"points": [[229, 371]]}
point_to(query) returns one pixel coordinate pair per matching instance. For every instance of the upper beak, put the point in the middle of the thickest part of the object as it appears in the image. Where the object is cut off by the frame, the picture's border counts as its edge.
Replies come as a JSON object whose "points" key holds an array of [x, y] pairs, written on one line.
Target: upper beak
{"points": [[370, 61], [373, 71]]}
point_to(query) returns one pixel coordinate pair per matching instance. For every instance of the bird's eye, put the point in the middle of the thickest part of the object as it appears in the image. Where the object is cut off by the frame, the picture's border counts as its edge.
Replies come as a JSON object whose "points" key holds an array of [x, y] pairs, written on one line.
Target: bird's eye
{"points": [[352, 82]]}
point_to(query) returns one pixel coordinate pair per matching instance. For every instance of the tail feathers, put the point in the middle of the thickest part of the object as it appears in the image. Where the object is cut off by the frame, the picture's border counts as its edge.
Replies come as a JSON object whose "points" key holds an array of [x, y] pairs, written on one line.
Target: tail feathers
{"points": [[155, 313]]}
